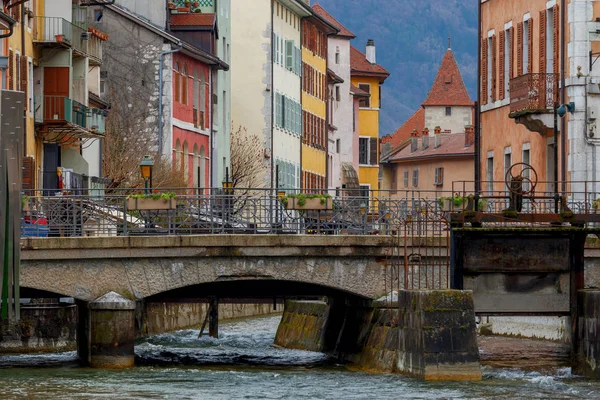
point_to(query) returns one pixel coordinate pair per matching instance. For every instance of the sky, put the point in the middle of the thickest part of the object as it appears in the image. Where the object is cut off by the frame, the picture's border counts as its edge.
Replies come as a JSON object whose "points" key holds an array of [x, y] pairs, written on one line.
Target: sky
{"points": [[411, 38]]}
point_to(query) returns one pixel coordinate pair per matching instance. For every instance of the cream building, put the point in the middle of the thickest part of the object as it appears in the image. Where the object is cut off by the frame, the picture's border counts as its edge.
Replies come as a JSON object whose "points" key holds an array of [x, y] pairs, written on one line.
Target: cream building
{"points": [[266, 70]]}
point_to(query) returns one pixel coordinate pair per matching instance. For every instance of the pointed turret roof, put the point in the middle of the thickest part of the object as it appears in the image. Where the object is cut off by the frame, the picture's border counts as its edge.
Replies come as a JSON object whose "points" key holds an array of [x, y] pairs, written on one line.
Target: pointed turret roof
{"points": [[448, 88]]}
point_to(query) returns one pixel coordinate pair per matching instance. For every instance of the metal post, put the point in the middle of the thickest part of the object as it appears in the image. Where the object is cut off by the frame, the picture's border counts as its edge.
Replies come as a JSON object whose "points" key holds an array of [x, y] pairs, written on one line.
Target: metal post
{"points": [[556, 196], [213, 319]]}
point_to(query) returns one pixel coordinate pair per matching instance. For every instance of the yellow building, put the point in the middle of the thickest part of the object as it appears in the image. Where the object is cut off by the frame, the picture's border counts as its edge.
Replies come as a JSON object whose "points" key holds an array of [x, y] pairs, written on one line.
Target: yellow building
{"points": [[368, 76], [314, 102], [19, 76]]}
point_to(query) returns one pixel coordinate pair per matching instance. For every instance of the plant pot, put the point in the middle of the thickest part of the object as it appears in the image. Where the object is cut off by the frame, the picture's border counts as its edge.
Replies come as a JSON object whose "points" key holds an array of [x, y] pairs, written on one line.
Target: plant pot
{"points": [[151, 204], [449, 206], [195, 4], [310, 204], [59, 38], [595, 206]]}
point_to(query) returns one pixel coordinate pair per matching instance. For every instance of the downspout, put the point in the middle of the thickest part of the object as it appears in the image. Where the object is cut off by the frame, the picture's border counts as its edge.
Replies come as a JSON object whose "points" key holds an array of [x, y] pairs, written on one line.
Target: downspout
{"points": [[272, 89], [477, 139], [160, 95], [563, 122]]}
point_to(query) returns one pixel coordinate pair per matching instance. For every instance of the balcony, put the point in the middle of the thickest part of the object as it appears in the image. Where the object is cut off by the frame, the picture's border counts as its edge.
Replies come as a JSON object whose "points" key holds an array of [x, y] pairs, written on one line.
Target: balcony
{"points": [[62, 115], [532, 98], [58, 32]]}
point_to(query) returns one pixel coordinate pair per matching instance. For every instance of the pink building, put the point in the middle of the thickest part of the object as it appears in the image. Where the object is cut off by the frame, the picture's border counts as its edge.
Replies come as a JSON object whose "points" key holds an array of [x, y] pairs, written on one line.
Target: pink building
{"points": [[192, 119]]}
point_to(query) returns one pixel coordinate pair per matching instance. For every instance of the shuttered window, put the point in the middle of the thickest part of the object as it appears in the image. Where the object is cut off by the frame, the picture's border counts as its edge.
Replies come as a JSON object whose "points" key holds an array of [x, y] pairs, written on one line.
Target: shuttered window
{"points": [[520, 49], [555, 37], [543, 41], [530, 45], [289, 54], [501, 55], [511, 54], [24, 78], [484, 70], [27, 180], [373, 152], [494, 69]]}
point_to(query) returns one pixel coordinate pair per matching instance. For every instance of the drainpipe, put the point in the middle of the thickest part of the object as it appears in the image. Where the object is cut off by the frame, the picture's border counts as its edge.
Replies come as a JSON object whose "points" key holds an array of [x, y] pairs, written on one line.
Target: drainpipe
{"points": [[477, 139], [563, 122], [160, 94], [24, 58]]}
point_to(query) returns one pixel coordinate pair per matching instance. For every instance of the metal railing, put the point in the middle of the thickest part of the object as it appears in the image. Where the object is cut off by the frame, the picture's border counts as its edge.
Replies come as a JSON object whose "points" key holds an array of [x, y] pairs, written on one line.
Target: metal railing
{"points": [[217, 211], [56, 109], [56, 30], [535, 92]]}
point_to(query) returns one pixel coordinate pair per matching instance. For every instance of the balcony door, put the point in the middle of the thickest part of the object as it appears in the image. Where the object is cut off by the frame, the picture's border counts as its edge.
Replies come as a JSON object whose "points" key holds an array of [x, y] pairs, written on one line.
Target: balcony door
{"points": [[56, 90]]}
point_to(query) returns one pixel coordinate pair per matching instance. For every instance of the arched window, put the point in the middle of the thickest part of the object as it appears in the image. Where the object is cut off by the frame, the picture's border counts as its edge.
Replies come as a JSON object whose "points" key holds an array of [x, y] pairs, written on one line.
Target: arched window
{"points": [[196, 94], [186, 162], [184, 85], [195, 165], [177, 83], [177, 154], [202, 161]]}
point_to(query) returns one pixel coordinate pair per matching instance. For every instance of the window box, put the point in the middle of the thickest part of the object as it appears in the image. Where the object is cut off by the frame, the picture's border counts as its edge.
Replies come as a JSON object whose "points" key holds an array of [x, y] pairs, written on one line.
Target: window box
{"points": [[307, 202], [148, 203]]}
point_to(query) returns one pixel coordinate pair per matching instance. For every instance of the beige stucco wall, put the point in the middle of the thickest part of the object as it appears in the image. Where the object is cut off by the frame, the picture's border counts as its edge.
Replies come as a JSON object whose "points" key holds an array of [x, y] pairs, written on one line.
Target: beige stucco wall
{"points": [[251, 69], [456, 122], [455, 169]]}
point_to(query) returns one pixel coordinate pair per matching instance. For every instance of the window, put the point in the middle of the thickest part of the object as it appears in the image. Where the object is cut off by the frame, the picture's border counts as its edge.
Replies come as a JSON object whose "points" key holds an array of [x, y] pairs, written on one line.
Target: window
{"points": [[448, 111], [337, 55], [507, 159], [526, 172], [30, 64], [406, 178], [177, 83], [338, 146], [184, 84], [438, 179], [526, 44], [365, 102], [490, 174], [338, 94], [489, 77], [367, 152], [507, 60], [415, 178], [289, 54], [98, 15]]}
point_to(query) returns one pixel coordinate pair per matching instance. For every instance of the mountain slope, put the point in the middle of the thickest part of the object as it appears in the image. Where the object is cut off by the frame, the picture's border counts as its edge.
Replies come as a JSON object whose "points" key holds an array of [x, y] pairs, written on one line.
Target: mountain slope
{"points": [[411, 37]]}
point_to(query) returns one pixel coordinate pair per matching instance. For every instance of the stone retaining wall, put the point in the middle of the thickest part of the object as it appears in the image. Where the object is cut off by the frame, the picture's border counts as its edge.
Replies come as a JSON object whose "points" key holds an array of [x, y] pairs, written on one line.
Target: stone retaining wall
{"points": [[303, 326]]}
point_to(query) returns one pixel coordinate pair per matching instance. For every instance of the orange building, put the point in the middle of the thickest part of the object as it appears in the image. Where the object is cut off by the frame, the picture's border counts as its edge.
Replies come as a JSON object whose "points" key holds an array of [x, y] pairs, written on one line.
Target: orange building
{"points": [[520, 60]]}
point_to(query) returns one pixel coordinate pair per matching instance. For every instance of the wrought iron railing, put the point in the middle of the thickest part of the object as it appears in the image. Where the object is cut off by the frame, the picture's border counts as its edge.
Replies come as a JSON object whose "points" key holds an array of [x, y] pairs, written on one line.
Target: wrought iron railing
{"points": [[57, 109], [535, 92]]}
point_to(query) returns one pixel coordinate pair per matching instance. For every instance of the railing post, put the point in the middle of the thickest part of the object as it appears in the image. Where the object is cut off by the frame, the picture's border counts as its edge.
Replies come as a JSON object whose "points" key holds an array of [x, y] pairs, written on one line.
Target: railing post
{"points": [[125, 233]]}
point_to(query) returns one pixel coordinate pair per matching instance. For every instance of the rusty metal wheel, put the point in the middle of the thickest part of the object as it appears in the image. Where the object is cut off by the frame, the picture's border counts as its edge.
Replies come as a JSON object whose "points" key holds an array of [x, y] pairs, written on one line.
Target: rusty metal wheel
{"points": [[517, 183]]}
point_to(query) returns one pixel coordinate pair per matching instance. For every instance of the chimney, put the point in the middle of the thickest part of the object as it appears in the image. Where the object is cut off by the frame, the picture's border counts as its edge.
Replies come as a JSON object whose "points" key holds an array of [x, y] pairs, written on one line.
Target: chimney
{"points": [[425, 139], [437, 137], [414, 141], [371, 51], [469, 135]]}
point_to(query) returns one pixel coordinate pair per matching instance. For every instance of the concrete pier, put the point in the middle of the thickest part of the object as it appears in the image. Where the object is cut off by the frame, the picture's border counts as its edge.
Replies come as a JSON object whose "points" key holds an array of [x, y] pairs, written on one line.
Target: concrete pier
{"points": [[437, 336], [111, 332], [587, 344]]}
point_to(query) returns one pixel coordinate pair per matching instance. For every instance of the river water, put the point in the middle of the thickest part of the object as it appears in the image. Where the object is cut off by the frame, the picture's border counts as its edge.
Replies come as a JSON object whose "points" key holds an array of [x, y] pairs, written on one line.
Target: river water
{"points": [[241, 364]]}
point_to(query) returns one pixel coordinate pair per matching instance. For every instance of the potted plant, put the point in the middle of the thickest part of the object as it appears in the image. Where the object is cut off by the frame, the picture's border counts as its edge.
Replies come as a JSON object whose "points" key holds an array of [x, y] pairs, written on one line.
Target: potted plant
{"points": [[172, 6], [596, 205], [59, 38], [154, 201], [26, 204], [195, 4], [307, 202], [452, 204]]}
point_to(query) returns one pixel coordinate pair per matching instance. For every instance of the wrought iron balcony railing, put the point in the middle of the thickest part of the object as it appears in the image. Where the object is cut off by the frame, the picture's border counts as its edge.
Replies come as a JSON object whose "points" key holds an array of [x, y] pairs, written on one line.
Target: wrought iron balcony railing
{"points": [[61, 109], [59, 31], [533, 93]]}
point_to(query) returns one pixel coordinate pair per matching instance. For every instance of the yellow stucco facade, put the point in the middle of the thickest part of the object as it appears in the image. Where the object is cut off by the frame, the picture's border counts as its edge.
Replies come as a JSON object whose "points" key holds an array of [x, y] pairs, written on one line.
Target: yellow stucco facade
{"points": [[314, 89], [368, 125]]}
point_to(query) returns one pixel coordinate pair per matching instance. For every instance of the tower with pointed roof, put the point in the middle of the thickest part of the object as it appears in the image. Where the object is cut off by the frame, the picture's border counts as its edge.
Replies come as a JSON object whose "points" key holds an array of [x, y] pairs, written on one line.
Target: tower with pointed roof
{"points": [[448, 104]]}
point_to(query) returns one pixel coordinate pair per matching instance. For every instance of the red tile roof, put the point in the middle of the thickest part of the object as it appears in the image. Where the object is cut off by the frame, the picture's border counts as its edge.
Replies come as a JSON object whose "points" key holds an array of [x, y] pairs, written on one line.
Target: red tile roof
{"points": [[452, 145], [192, 19], [416, 121], [360, 66], [448, 88], [358, 91], [320, 11]]}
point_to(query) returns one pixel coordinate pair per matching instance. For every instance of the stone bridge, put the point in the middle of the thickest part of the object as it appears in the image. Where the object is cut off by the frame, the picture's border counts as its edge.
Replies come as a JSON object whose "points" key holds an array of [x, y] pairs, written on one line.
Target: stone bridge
{"points": [[197, 266]]}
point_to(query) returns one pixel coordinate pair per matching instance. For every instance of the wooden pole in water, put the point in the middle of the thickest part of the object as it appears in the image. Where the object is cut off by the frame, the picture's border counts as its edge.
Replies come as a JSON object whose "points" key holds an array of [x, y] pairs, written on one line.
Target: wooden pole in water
{"points": [[213, 318]]}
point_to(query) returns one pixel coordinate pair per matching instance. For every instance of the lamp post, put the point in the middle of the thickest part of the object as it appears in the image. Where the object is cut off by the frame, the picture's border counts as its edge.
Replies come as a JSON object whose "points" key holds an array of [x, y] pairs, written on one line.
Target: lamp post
{"points": [[146, 169]]}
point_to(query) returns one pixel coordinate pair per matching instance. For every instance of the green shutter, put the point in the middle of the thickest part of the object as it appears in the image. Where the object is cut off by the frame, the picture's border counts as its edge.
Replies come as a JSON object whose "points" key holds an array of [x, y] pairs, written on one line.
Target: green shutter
{"points": [[276, 46]]}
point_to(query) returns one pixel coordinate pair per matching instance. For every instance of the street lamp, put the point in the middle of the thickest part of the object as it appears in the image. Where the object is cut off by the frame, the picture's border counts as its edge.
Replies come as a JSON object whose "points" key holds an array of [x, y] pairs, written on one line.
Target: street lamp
{"points": [[146, 169]]}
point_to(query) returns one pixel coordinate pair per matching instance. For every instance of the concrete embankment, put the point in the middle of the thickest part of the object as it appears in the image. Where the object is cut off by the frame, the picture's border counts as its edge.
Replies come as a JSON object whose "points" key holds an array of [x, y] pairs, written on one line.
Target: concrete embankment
{"points": [[432, 336], [48, 326]]}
